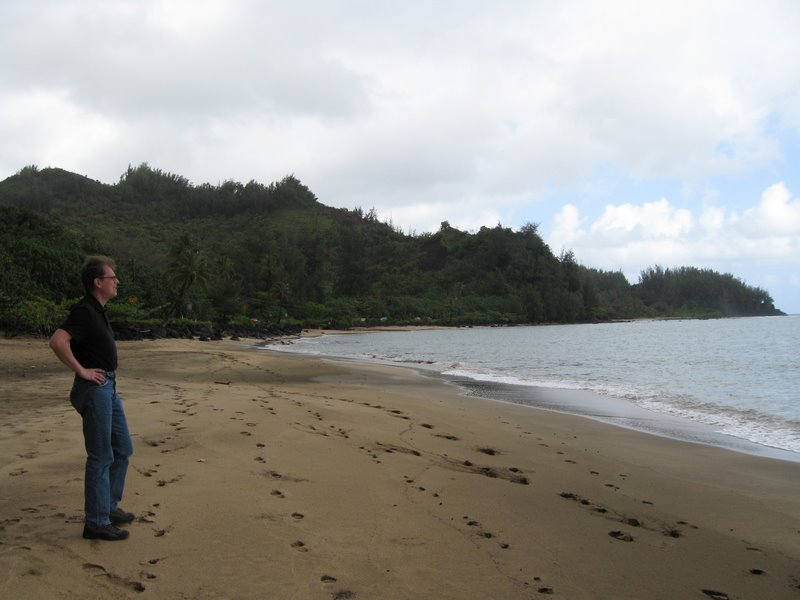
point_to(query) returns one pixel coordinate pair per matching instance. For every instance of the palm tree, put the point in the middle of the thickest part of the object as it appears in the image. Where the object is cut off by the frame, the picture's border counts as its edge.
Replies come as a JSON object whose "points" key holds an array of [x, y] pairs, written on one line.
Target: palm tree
{"points": [[188, 267]]}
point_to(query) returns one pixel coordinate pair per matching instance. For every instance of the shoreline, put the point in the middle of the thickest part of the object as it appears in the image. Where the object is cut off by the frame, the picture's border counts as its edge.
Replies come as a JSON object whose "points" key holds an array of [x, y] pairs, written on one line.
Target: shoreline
{"points": [[617, 412], [267, 474]]}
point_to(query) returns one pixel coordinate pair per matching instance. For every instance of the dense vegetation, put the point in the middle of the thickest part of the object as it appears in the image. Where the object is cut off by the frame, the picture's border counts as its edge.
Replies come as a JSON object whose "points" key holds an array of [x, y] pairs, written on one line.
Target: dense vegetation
{"points": [[237, 253]]}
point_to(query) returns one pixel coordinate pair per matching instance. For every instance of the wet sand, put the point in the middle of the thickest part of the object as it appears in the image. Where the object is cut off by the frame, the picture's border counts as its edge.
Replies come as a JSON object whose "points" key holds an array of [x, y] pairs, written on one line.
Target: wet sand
{"points": [[264, 475]]}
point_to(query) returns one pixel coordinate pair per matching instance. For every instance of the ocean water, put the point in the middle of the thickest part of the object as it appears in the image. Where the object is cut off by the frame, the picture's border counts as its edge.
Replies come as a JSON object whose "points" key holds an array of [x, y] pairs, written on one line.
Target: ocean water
{"points": [[728, 382]]}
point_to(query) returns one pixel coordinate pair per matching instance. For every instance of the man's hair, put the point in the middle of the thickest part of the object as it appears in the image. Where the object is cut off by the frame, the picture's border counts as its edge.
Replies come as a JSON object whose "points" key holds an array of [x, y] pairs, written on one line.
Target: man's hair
{"points": [[93, 267]]}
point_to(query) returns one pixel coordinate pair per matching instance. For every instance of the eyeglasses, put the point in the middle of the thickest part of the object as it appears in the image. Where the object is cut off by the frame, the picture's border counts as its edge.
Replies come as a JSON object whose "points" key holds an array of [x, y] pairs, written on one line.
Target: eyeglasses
{"points": [[106, 277]]}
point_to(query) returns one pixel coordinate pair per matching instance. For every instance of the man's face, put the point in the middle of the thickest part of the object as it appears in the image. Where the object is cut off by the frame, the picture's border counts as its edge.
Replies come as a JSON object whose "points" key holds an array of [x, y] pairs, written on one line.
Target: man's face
{"points": [[107, 284]]}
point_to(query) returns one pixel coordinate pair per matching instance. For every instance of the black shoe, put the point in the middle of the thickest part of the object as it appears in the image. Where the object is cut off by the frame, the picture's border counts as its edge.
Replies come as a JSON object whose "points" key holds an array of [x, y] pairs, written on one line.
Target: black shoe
{"points": [[119, 516], [104, 532]]}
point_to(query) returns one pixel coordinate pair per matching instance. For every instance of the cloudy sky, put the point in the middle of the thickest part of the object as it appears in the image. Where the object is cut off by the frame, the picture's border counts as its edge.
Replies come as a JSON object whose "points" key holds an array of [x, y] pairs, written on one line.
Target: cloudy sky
{"points": [[634, 133]]}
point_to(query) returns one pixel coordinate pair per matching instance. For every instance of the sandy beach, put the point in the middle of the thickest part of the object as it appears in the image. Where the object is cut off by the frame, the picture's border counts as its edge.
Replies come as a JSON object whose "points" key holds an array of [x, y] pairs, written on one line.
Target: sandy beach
{"points": [[259, 475]]}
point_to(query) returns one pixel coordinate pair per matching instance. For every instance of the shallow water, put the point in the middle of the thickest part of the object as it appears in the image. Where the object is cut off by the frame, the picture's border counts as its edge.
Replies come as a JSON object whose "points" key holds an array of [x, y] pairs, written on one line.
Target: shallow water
{"points": [[729, 382]]}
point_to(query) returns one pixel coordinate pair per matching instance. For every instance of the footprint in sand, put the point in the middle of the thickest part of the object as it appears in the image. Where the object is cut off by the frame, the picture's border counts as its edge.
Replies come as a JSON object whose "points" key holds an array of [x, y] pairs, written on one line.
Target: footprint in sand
{"points": [[134, 585], [543, 589], [300, 546], [163, 482], [146, 472], [489, 451], [716, 595]]}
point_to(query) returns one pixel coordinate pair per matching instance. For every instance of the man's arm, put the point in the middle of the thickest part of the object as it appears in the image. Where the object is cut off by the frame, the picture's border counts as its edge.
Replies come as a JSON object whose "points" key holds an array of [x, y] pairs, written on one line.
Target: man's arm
{"points": [[59, 343]]}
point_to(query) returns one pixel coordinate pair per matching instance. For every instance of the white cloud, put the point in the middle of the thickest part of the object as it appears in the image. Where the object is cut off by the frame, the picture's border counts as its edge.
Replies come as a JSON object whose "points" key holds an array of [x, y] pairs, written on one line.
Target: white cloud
{"points": [[63, 133], [534, 93], [777, 214], [458, 110], [652, 220], [628, 237], [187, 18]]}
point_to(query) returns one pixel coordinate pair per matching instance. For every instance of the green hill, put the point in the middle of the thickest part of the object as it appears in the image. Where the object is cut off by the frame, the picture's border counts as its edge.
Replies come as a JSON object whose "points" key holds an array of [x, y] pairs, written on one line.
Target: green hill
{"points": [[237, 252]]}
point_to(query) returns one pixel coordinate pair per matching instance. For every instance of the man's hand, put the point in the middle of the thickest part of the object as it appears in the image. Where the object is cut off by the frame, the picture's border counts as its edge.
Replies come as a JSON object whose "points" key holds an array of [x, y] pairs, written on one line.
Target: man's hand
{"points": [[97, 376]]}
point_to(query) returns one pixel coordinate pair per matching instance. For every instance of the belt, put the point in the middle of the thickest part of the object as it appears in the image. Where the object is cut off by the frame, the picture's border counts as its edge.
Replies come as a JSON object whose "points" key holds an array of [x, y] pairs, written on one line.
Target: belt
{"points": [[110, 374]]}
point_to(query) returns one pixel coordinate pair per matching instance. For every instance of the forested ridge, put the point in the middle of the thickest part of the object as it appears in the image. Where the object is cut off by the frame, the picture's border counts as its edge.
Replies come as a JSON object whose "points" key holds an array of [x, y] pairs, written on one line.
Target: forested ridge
{"points": [[260, 254]]}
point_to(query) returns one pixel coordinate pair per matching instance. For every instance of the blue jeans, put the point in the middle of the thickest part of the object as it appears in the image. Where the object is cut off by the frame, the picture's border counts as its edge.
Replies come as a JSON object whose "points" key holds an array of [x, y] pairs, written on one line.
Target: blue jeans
{"points": [[108, 446]]}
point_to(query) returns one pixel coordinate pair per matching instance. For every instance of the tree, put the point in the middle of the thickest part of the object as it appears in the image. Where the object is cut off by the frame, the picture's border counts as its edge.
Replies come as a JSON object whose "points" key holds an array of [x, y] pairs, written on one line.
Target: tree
{"points": [[225, 290], [188, 266], [281, 293], [351, 274], [338, 264]]}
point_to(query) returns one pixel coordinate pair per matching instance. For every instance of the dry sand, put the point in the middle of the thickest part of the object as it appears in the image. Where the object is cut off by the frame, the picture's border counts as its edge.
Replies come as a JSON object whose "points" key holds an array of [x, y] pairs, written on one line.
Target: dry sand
{"points": [[262, 475]]}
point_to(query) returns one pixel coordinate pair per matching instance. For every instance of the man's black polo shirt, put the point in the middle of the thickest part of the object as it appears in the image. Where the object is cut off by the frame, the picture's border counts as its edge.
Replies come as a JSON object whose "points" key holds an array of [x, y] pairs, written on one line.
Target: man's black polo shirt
{"points": [[92, 340]]}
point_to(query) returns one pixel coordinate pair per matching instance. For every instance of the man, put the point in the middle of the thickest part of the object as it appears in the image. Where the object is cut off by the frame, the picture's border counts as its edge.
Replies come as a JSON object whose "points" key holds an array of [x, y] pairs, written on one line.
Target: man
{"points": [[86, 344]]}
